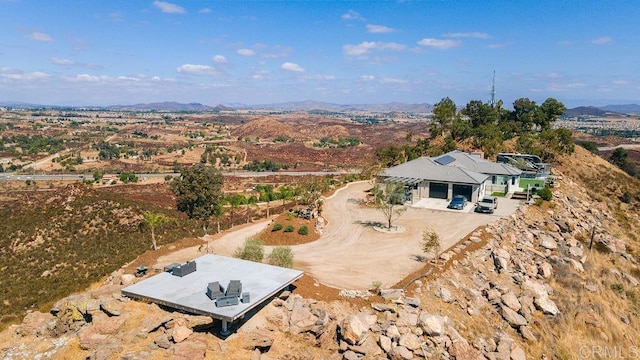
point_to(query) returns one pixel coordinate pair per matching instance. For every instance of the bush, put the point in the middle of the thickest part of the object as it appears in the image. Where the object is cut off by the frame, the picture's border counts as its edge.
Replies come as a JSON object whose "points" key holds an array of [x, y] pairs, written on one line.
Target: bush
{"points": [[304, 230], [545, 193], [281, 256], [252, 250], [277, 227], [289, 228]]}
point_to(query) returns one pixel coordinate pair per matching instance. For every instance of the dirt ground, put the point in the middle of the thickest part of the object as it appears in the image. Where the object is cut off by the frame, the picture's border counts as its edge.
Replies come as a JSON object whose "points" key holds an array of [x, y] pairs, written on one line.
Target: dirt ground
{"points": [[350, 254]]}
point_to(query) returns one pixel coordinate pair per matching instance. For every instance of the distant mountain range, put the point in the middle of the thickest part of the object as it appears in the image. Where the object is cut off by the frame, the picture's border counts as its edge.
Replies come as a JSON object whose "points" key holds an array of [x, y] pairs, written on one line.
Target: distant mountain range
{"points": [[315, 106]]}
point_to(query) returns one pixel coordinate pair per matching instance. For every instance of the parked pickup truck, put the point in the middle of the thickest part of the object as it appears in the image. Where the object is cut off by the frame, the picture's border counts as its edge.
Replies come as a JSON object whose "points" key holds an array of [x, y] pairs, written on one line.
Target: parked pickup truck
{"points": [[487, 205]]}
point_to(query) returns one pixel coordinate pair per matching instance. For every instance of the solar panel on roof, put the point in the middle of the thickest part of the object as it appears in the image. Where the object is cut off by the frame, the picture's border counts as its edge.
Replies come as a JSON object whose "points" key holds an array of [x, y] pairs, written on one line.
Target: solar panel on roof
{"points": [[445, 160]]}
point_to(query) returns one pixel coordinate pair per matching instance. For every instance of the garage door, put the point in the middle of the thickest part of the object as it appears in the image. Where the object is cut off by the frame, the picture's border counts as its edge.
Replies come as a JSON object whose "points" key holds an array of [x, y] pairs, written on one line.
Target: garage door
{"points": [[464, 190], [438, 190]]}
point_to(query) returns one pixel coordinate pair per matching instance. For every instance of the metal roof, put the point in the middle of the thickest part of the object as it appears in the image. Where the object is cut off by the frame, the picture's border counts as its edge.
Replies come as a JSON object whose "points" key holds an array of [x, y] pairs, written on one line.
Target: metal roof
{"points": [[478, 164], [188, 293], [427, 169]]}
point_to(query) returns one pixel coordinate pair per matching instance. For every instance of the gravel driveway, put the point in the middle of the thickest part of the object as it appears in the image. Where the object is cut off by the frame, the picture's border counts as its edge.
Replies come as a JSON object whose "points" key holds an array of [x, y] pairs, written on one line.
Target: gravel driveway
{"points": [[352, 255]]}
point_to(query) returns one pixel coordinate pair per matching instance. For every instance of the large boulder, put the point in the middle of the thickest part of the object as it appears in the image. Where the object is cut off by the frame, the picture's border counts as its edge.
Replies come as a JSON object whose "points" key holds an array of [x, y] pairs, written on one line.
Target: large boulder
{"points": [[513, 318], [541, 297], [432, 325], [355, 328]]}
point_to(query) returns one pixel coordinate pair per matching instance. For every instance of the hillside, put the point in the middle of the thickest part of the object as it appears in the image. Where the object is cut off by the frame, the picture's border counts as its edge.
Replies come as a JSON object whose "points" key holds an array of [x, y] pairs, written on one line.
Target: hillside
{"points": [[526, 286]]}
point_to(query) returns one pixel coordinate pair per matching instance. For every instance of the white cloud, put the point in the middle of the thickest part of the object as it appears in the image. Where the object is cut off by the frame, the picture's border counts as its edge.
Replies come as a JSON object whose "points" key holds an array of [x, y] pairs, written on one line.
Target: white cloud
{"points": [[194, 69], [473, 35], [220, 59], [379, 29], [366, 47], [289, 66], [169, 8], [85, 77], [246, 52], [367, 77], [620, 82], [318, 77], [440, 44], [497, 46], [389, 80], [602, 40], [205, 11], [352, 15], [40, 37], [15, 74], [63, 62]]}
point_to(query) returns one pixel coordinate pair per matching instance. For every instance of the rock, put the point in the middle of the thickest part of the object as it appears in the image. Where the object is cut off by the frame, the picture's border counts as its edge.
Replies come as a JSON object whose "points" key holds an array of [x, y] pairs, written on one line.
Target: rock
{"points": [[162, 341], [545, 269], [513, 318], [575, 264], [393, 332], [633, 281], [410, 341], [541, 298], [256, 355], [511, 300], [110, 306], [259, 339], [350, 355], [445, 294], [127, 279], [385, 343], [475, 239], [407, 318], [527, 333], [412, 301], [190, 350], [432, 325], [383, 307], [180, 332], [284, 295], [517, 353], [391, 294], [547, 242], [354, 329], [153, 322], [462, 350], [401, 352], [36, 324], [576, 251], [302, 319], [591, 287], [369, 348]]}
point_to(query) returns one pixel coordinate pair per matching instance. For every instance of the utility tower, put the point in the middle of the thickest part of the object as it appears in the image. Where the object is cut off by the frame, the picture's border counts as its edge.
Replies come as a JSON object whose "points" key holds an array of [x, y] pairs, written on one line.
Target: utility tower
{"points": [[493, 89]]}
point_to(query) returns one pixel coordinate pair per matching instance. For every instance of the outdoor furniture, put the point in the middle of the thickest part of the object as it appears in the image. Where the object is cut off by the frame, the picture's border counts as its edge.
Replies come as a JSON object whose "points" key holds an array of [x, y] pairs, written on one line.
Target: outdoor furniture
{"points": [[226, 301], [141, 271], [184, 269], [214, 290], [245, 298], [234, 288]]}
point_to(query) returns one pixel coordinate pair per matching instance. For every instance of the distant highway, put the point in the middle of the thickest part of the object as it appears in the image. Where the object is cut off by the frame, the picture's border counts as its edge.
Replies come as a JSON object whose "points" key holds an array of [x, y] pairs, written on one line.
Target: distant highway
{"points": [[80, 177], [624, 146]]}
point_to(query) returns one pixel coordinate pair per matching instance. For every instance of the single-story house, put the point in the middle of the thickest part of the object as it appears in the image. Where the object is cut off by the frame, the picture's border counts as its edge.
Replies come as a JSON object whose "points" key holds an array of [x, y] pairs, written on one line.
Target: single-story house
{"points": [[451, 174]]}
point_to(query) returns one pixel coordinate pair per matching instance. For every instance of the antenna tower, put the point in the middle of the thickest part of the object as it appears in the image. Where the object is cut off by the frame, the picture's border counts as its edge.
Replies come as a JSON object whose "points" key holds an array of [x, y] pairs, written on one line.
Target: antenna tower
{"points": [[493, 89]]}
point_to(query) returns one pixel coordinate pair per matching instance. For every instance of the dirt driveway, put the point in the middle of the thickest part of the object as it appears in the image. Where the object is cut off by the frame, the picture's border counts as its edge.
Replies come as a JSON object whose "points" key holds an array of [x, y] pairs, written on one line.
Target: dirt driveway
{"points": [[351, 254]]}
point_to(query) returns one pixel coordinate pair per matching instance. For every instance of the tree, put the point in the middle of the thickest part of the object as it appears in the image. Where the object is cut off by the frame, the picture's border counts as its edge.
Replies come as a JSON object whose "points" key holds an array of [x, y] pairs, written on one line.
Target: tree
{"points": [[234, 201], [281, 256], [552, 109], [198, 193], [444, 114], [154, 220], [480, 113], [526, 113], [252, 250], [431, 243], [388, 200], [619, 157]]}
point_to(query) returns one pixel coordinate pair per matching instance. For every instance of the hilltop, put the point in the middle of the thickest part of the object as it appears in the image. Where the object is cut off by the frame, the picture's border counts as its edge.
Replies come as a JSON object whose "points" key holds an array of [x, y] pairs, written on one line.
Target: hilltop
{"points": [[529, 287]]}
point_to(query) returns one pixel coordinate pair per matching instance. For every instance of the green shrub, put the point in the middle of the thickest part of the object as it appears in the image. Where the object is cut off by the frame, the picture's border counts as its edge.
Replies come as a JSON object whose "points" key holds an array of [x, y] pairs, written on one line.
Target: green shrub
{"points": [[289, 228], [304, 230], [545, 193], [277, 227], [281, 256], [252, 250]]}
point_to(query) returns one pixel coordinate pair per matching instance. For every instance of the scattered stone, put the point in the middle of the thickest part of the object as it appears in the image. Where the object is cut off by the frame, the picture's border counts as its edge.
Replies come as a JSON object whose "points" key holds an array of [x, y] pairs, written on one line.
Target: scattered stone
{"points": [[547, 242], [527, 333], [576, 251], [410, 341], [633, 281], [385, 343], [513, 318], [401, 352], [511, 300], [190, 350], [162, 341], [383, 307], [432, 325], [110, 306], [545, 269], [180, 332], [354, 329], [412, 301], [391, 294], [259, 339], [445, 294]]}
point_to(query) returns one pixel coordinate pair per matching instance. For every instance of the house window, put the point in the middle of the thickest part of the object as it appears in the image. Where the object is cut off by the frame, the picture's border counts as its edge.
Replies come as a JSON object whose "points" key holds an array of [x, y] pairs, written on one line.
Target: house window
{"points": [[493, 179]]}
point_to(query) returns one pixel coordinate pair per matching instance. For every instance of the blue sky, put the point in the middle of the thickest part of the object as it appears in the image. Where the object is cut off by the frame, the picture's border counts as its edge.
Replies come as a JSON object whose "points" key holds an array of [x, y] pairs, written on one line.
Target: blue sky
{"points": [[75, 52]]}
